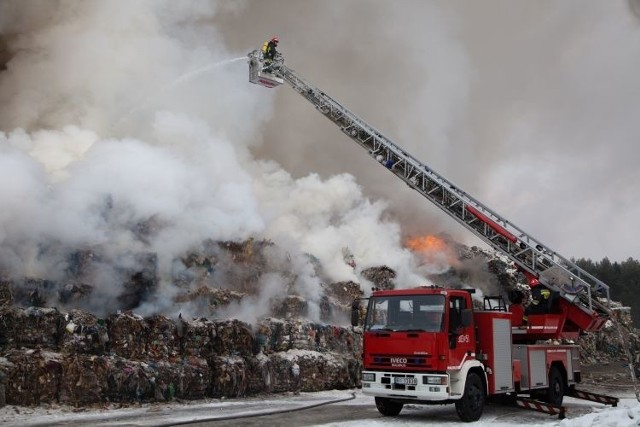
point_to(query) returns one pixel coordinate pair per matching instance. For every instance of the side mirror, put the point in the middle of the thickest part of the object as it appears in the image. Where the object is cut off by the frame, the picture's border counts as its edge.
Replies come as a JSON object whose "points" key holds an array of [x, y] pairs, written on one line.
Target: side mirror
{"points": [[467, 317], [355, 312]]}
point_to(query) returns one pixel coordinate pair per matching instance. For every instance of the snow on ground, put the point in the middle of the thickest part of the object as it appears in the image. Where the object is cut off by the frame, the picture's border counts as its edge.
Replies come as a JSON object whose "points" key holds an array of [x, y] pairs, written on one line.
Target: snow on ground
{"points": [[579, 413]]}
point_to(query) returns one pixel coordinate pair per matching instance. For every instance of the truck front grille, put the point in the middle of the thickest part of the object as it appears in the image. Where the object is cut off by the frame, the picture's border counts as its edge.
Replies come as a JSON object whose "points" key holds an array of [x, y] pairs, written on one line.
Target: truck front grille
{"points": [[383, 360]]}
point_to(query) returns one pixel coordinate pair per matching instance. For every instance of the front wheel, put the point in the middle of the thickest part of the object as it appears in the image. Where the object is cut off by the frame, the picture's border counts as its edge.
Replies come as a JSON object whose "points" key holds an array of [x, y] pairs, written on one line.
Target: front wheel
{"points": [[471, 405], [387, 407]]}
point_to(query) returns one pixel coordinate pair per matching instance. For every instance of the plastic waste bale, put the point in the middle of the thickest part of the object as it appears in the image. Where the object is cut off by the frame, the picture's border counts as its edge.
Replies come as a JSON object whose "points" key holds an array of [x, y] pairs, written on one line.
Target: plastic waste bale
{"points": [[162, 342], [32, 327], [84, 379], [302, 335], [292, 306], [382, 276], [6, 297], [260, 374], [303, 370], [128, 334], [34, 378], [194, 379], [84, 333], [233, 337], [229, 376], [197, 337], [164, 378]]}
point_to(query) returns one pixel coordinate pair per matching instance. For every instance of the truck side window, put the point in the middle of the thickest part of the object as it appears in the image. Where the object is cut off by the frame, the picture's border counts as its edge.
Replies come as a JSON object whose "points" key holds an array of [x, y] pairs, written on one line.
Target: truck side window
{"points": [[456, 305]]}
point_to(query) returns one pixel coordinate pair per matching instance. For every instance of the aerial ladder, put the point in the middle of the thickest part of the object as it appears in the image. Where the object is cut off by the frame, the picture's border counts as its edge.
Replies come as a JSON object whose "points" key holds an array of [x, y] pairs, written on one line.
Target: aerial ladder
{"points": [[583, 299]]}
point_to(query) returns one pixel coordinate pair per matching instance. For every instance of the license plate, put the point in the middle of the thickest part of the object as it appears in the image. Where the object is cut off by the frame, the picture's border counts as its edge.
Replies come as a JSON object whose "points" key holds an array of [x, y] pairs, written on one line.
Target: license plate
{"points": [[405, 381]]}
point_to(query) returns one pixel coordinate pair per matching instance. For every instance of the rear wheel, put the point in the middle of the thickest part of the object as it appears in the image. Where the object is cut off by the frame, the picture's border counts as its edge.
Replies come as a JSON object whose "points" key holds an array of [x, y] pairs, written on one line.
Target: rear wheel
{"points": [[388, 407], [471, 405], [555, 392]]}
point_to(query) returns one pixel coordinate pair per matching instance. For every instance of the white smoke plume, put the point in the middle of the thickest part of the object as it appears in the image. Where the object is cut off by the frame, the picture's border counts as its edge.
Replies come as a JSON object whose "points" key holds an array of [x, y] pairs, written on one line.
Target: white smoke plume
{"points": [[118, 117]]}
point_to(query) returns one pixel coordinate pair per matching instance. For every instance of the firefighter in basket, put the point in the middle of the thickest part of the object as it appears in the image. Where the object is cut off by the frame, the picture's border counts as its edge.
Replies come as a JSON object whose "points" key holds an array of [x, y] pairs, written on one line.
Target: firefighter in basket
{"points": [[269, 52]]}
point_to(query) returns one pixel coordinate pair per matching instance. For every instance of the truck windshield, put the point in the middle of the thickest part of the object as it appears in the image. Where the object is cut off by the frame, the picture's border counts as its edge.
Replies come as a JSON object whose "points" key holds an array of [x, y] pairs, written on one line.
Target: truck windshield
{"points": [[405, 313]]}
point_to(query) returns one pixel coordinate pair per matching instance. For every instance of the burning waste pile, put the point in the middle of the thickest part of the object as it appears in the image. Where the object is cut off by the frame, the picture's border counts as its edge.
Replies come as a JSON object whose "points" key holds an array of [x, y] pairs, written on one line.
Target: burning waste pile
{"points": [[71, 356]]}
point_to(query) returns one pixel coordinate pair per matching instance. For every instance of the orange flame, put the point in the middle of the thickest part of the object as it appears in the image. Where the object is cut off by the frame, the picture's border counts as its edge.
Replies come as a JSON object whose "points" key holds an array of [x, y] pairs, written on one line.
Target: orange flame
{"points": [[432, 249], [427, 244]]}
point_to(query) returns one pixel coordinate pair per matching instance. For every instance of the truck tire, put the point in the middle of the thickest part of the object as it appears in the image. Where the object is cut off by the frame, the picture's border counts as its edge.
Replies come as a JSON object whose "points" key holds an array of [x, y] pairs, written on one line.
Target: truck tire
{"points": [[555, 392], [471, 405], [387, 407]]}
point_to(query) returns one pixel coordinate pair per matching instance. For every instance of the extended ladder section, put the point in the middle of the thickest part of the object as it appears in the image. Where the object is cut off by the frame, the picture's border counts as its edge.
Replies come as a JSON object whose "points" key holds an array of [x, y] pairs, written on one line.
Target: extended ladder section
{"points": [[583, 298]]}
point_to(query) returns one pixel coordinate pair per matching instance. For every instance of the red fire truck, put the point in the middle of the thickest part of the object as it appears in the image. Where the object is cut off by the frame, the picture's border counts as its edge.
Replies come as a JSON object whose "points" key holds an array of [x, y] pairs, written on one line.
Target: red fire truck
{"points": [[430, 345]]}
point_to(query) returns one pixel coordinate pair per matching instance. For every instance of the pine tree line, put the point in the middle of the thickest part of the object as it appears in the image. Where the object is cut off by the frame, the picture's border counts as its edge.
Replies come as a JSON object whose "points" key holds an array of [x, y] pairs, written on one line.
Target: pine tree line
{"points": [[623, 279]]}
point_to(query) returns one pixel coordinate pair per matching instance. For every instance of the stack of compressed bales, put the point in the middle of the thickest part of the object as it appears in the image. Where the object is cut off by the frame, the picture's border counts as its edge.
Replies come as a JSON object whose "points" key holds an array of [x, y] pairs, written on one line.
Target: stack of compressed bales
{"points": [[286, 372], [33, 292], [5, 366], [304, 370], [233, 337], [74, 293], [31, 327], [229, 376], [340, 296], [128, 334], [302, 334], [382, 276], [163, 342], [291, 306], [262, 336], [609, 344], [34, 376], [6, 298], [194, 381], [84, 333], [84, 379], [163, 379], [279, 335], [197, 337], [338, 339], [206, 298], [127, 381], [260, 372]]}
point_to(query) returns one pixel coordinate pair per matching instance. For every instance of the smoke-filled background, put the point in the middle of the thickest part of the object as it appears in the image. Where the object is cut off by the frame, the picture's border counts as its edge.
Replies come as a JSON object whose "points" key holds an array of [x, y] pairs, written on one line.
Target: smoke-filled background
{"points": [[130, 126], [531, 107]]}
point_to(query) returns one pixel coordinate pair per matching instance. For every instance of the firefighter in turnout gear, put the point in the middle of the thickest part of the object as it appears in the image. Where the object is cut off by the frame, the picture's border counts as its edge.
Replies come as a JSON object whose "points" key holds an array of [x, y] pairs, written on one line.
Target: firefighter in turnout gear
{"points": [[541, 301], [269, 49]]}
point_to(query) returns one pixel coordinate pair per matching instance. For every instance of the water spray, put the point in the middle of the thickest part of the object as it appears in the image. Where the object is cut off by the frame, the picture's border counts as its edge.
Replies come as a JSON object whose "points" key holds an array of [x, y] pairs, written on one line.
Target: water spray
{"points": [[181, 80]]}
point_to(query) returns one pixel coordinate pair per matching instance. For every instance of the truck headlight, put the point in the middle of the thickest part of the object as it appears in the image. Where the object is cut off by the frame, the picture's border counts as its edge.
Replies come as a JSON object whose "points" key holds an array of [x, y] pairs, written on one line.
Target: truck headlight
{"points": [[436, 380], [368, 376]]}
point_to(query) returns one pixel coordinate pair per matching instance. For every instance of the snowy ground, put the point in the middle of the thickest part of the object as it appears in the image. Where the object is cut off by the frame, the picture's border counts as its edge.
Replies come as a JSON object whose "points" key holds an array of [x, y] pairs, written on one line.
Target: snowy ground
{"points": [[579, 413]]}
